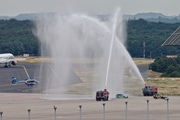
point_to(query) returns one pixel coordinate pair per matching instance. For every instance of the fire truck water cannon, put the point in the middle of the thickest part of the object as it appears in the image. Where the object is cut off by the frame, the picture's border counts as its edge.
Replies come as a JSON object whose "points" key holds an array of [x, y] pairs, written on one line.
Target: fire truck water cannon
{"points": [[149, 90], [102, 95]]}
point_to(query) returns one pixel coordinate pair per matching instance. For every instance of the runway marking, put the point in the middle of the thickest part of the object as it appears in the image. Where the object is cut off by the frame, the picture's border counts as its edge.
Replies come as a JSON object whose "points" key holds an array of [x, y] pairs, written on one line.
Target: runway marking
{"points": [[55, 73], [26, 72]]}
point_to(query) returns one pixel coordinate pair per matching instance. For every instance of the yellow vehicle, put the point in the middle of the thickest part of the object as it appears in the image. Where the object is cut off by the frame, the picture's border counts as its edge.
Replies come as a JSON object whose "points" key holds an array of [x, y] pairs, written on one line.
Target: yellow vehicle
{"points": [[159, 96]]}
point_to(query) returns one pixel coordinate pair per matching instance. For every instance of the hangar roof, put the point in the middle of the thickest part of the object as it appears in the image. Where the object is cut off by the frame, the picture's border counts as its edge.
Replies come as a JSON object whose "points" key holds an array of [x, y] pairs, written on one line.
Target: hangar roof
{"points": [[174, 39]]}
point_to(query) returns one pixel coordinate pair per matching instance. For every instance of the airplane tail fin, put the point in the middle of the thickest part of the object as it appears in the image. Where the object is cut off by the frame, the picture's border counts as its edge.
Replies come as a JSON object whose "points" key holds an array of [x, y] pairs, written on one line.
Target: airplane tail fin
{"points": [[14, 80]]}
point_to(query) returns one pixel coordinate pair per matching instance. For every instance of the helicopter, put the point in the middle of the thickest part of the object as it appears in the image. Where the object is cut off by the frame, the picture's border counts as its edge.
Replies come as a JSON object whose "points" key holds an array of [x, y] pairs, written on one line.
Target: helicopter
{"points": [[28, 81]]}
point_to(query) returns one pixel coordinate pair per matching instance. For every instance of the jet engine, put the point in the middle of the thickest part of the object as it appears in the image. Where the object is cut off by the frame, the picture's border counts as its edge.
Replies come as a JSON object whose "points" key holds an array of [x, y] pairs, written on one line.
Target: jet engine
{"points": [[14, 62]]}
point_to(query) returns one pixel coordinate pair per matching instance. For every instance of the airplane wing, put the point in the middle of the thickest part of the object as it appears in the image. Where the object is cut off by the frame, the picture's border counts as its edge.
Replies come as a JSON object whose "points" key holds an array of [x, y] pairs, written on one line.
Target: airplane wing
{"points": [[2, 60]]}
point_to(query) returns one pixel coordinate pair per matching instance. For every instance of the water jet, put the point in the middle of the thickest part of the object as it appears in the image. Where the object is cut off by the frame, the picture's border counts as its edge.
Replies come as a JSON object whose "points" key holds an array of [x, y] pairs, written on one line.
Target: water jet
{"points": [[87, 55]]}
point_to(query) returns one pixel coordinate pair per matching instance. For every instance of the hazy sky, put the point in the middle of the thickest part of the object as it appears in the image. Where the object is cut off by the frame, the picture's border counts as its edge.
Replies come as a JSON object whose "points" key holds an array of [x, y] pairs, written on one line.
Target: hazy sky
{"points": [[15, 7]]}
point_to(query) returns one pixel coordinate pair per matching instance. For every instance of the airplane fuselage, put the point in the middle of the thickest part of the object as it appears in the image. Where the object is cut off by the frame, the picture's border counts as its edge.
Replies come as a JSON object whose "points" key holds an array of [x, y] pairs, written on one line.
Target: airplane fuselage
{"points": [[7, 59]]}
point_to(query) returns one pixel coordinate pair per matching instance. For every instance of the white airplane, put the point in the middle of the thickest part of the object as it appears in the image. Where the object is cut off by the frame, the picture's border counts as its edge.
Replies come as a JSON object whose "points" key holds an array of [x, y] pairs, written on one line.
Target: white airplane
{"points": [[8, 59]]}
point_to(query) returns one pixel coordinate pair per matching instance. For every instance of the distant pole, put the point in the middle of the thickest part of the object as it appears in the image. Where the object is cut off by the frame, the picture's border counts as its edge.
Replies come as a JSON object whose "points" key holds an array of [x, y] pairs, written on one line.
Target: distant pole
{"points": [[55, 112], [80, 106], [126, 109], [29, 110], [144, 46], [103, 111], [1, 115], [167, 109], [147, 109], [150, 55]]}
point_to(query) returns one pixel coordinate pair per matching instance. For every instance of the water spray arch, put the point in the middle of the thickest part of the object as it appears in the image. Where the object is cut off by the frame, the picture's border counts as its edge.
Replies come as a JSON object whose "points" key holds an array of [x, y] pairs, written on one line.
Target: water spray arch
{"points": [[121, 47], [76, 39]]}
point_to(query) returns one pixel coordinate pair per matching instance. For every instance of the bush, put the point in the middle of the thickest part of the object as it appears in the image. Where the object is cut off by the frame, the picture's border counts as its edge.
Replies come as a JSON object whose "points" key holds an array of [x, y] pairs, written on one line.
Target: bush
{"points": [[168, 66], [174, 74]]}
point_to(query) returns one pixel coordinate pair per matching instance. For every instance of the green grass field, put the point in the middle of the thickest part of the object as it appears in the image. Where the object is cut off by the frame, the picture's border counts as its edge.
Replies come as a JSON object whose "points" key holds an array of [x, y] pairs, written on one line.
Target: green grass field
{"points": [[166, 86]]}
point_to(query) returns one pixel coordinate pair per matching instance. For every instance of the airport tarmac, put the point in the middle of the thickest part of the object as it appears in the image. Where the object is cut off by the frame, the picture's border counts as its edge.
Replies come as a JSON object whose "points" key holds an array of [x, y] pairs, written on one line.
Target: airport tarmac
{"points": [[18, 72], [15, 107], [15, 100], [35, 70]]}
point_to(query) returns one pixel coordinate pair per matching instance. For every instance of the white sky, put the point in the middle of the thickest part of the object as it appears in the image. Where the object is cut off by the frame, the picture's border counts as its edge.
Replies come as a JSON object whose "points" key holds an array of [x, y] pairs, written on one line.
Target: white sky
{"points": [[15, 7]]}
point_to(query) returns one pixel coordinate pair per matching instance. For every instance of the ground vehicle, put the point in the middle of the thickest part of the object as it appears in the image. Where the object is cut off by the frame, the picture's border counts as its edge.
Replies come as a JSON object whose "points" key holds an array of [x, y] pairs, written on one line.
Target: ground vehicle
{"points": [[121, 96], [159, 96], [102, 95], [149, 90]]}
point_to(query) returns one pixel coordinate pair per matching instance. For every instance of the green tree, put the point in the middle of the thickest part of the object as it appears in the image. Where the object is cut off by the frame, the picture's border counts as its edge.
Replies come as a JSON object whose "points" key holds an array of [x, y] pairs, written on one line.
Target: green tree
{"points": [[170, 69], [174, 74]]}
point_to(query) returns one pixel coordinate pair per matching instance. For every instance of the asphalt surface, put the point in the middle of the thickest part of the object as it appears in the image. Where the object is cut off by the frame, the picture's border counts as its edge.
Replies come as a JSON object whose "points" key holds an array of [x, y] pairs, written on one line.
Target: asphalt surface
{"points": [[143, 69], [38, 71], [18, 72], [15, 107], [15, 100]]}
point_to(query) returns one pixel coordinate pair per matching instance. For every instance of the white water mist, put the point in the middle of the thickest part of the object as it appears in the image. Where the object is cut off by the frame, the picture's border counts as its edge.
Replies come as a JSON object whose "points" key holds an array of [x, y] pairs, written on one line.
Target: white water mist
{"points": [[78, 47]]}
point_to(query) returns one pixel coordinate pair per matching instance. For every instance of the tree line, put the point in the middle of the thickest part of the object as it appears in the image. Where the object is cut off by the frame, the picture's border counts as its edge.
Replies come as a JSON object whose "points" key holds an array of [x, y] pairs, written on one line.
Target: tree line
{"points": [[170, 67], [17, 37], [153, 34]]}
